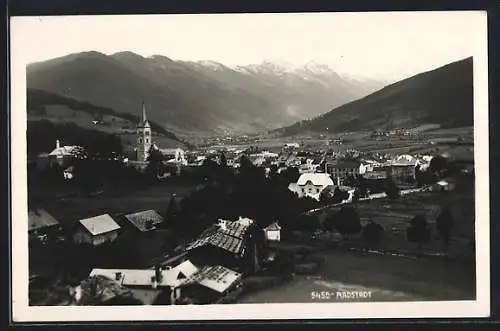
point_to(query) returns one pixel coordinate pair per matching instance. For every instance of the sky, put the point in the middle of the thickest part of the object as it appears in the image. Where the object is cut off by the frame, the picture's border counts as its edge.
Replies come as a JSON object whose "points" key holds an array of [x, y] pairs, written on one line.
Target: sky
{"points": [[388, 46]]}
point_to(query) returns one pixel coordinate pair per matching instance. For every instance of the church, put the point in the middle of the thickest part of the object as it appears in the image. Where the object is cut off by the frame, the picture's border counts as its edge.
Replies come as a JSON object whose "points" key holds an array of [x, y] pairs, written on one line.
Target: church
{"points": [[144, 141], [174, 158]]}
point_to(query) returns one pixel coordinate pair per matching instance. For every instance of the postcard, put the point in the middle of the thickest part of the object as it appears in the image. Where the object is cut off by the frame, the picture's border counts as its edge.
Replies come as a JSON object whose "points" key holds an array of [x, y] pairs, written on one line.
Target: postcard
{"points": [[249, 166]]}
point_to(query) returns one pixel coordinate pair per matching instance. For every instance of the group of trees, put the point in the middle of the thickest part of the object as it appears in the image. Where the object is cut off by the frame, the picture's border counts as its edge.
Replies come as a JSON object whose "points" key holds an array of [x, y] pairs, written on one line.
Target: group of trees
{"points": [[42, 136], [439, 167], [250, 193], [419, 232]]}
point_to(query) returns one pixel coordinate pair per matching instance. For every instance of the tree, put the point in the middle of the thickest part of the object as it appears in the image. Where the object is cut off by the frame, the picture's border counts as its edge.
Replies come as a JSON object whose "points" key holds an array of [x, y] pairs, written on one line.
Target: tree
{"points": [[418, 232], [347, 221], [391, 189], [155, 162], [372, 232], [223, 160], [330, 223], [438, 164], [444, 224]]}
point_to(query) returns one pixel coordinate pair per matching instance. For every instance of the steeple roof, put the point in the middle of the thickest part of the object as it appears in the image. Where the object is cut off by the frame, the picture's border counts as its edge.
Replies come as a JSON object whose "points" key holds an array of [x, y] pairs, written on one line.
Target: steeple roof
{"points": [[144, 121]]}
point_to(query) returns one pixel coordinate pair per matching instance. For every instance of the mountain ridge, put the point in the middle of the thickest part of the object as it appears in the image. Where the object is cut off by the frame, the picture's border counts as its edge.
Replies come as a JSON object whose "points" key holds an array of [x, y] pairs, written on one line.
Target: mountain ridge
{"points": [[188, 97], [441, 96]]}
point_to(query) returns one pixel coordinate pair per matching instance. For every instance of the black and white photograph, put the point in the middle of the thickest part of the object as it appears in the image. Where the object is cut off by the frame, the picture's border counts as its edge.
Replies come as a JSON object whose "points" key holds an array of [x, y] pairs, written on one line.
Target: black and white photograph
{"points": [[250, 166]]}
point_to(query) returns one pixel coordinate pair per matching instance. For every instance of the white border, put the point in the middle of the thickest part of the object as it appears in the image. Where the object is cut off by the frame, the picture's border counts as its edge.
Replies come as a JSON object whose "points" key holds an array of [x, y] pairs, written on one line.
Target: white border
{"points": [[21, 312]]}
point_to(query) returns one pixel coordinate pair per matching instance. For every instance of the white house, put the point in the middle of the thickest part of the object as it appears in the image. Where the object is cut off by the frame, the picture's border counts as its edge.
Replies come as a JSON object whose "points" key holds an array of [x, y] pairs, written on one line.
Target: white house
{"points": [[273, 232], [311, 184], [96, 230]]}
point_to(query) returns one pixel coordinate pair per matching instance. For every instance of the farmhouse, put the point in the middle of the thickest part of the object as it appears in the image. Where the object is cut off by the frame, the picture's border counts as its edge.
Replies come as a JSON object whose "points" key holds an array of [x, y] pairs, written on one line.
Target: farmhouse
{"points": [[235, 244], [96, 230], [311, 184]]}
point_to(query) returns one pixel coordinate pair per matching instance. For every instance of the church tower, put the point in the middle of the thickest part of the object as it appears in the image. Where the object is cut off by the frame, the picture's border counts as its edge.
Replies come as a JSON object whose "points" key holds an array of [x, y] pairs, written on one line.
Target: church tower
{"points": [[143, 136]]}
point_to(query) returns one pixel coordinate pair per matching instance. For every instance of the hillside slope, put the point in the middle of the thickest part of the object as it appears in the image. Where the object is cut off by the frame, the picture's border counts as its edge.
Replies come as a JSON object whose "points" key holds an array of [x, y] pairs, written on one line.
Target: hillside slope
{"points": [[195, 97], [51, 116], [442, 96]]}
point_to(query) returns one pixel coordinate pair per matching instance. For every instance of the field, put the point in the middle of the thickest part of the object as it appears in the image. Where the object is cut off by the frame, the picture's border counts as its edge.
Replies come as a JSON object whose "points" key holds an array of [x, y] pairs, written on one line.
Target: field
{"points": [[394, 269], [388, 278]]}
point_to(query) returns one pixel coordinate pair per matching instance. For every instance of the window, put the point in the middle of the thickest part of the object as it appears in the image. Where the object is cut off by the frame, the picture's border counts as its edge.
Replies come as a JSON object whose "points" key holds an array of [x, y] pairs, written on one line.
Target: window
{"points": [[140, 140], [147, 140], [148, 133]]}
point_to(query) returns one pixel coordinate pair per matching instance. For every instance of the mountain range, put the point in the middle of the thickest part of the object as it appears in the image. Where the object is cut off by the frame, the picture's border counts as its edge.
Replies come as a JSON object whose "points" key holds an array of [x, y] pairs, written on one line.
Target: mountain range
{"points": [[441, 96], [203, 97]]}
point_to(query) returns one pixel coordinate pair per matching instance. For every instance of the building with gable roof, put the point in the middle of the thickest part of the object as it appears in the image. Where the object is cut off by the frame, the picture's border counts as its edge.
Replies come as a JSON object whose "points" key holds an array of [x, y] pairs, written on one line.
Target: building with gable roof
{"points": [[235, 244], [96, 230], [311, 185], [273, 232]]}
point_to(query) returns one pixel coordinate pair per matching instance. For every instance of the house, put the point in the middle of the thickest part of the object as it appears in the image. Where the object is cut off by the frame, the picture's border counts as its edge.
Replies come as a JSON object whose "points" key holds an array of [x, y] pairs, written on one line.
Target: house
{"points": [[62, 155], [211, 283], [148, 284], [273, 232], [100, 290], [311, 184], [235, 244], [96, 230], [145, 221], [41, 224], [344, 168], [403, 168]]}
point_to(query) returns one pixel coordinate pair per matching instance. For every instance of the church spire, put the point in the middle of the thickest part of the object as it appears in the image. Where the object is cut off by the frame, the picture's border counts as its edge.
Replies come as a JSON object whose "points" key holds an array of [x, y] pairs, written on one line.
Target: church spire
{"points": [[144, 119]]}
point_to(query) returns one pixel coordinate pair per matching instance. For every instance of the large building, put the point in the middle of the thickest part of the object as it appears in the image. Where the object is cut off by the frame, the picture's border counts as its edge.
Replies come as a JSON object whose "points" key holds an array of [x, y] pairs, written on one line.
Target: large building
{"points": [[344, 168], [311, 185], [144, 141]]}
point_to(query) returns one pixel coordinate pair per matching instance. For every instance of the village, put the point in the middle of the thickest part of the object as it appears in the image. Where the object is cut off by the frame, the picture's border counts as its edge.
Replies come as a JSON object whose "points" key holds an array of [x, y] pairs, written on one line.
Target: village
{"points": [[233, 217]]}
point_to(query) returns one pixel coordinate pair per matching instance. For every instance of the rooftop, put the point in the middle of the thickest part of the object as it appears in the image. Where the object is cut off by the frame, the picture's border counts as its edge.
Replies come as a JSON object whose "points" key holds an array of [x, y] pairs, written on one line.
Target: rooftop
{"points": [[144, 277], [99, 224], [40, 218], [344, 164], [145, 220], [273, 227], [217, 278], [226, 235], [317, 179]]}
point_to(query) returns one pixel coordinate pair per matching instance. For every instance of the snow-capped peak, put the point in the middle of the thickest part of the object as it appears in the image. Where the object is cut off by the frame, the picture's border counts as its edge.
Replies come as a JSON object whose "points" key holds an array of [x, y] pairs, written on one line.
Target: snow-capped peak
{"points": [[211, 64]]}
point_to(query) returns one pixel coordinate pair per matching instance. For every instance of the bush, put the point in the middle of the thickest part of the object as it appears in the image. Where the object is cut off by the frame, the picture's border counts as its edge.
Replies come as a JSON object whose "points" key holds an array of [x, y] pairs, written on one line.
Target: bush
{"points": [[444, 225], [418, 232], [373, 232], [347, 221]]}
